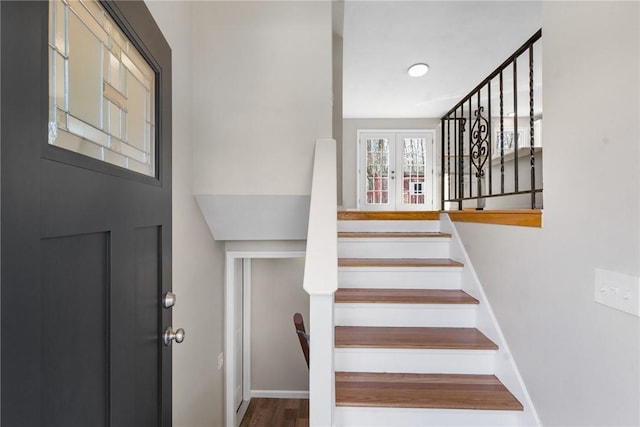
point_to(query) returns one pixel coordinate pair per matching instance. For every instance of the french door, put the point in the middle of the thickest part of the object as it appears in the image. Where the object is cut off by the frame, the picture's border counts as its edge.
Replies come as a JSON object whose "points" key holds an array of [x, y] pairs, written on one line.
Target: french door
{"points": [[395, 170]]}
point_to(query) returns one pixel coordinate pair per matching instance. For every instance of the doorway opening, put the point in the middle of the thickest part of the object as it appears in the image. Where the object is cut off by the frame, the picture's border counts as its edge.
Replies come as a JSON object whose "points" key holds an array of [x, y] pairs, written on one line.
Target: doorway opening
{"points": [[238, 331], [396, 170]]}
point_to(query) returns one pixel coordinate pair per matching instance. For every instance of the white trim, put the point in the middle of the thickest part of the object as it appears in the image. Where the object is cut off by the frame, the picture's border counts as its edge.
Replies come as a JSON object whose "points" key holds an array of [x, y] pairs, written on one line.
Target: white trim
{"points": [[266, 254], [505, 366], [229, 367], [238, 301], [233, 418], [433, 132], [246, 328], [321, 363], [280, 394]]}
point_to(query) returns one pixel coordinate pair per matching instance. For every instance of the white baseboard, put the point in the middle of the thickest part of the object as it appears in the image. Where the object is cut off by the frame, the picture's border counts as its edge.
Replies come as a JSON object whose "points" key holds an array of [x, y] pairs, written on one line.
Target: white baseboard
{"points": [[281, 394]]}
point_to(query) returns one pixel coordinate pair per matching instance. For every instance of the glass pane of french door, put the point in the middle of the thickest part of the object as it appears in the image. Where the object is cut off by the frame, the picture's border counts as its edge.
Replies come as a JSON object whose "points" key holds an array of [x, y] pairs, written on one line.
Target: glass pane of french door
{"points": [[414, 168], [377, 166]]}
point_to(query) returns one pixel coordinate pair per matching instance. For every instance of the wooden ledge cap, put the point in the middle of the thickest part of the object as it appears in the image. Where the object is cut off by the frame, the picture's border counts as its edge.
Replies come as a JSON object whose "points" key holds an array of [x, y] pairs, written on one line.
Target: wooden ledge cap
{"points": [[389, 215], [523, 218]]}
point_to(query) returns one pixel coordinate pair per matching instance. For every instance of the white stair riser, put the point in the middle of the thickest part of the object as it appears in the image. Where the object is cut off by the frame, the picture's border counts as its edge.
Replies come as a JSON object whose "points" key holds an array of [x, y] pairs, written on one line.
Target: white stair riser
{"points": [[412, 315], [380, 226], [431, 247], [398, 277], [415, 361], [405, 315], [401, 417]]}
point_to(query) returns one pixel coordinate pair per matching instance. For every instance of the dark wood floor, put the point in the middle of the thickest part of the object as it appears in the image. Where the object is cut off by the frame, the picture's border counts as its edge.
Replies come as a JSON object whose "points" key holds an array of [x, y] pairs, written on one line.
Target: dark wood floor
{"points": [[277, 413]]}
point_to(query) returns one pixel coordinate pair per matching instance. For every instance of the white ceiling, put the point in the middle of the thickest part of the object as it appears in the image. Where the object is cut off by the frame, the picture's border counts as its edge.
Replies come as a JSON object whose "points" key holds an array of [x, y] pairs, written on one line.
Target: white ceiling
{"points": [[462, 41]]}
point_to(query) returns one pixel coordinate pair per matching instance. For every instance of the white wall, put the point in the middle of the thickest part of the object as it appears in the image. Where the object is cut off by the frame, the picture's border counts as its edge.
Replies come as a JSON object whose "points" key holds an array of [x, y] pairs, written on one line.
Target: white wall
{"points": [[277, 362], [579, 359], [256, 217], [262, 74], [197, 258], [350, 150], [251, 93]]}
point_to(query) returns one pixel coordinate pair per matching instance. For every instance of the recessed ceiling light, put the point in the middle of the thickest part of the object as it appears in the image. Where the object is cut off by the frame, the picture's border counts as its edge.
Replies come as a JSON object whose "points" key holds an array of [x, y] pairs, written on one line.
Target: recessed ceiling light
{"points": [[418, 70]]}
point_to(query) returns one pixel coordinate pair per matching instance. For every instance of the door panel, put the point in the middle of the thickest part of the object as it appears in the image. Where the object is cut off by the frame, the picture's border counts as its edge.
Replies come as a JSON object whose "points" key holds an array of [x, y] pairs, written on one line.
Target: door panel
{"points": [[75, 330], [85, 249]]}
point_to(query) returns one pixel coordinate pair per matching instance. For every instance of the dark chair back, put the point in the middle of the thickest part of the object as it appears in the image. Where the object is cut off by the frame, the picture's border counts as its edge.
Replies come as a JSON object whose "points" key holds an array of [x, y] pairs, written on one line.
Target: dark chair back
{"points": [[303, 337]]}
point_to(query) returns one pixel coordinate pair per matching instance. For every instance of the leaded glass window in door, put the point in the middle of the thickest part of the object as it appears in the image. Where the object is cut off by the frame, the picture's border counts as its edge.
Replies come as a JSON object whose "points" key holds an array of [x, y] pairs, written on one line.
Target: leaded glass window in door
{"points": [[101, 89], [377, 170]]}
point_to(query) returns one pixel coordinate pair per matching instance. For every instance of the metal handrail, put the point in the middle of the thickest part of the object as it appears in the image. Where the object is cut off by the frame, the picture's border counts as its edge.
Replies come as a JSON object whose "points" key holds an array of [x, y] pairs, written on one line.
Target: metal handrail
{"points": [[467, 142]]}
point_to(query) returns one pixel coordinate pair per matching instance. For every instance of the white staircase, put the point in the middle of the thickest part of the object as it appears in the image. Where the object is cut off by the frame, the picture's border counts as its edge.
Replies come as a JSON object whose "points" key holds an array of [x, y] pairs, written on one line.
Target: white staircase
{"points": [[416, 343]]}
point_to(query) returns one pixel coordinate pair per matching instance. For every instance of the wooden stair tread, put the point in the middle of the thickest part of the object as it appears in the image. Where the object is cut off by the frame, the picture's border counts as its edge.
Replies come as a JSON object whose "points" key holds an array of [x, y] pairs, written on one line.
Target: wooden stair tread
{"points": [[443, 391], [403, 296], [412, 338], [389, 216], [391, 234], [398, 262]]}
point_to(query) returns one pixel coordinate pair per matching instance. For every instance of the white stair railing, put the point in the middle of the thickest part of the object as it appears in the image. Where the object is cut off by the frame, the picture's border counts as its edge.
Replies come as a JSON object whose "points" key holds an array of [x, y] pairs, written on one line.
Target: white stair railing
{"points": [[321, 282]]}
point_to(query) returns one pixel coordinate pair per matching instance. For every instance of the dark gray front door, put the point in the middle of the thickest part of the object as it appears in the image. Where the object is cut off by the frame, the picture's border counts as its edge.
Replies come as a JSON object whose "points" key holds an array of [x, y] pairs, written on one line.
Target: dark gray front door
{"points": [[85, 249]]}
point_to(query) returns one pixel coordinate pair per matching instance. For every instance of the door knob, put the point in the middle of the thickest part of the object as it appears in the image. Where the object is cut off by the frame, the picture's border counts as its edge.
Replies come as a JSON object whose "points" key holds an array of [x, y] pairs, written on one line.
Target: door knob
{"points": [[169, 335], [169, 300]]}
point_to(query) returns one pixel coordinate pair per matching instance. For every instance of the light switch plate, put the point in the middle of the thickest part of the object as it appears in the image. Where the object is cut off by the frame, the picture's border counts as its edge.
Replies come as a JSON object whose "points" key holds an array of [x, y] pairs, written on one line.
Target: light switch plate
{"points": [[220, 360], [617, 290]]}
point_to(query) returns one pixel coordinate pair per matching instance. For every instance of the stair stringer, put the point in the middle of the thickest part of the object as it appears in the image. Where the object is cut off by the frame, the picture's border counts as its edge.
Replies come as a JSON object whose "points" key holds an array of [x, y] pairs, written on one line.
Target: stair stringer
{"points": [[505, 366]]}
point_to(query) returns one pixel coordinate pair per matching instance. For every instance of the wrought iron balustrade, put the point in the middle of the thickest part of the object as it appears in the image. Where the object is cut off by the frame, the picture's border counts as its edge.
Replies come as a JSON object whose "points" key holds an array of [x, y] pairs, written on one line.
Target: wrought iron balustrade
{"points": [[491, 154]]}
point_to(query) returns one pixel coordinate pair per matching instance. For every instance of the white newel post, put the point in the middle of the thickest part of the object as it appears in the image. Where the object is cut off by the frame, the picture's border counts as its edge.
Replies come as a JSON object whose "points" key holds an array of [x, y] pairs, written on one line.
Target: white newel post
{"points": [[321, 376], [321, 282]]}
